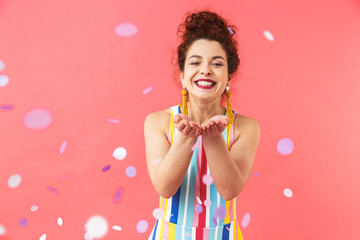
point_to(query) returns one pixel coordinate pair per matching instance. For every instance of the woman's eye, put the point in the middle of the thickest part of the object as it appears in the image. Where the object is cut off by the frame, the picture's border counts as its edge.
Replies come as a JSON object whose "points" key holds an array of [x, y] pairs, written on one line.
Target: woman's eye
{"points": [[194, 63], [218, 64]]}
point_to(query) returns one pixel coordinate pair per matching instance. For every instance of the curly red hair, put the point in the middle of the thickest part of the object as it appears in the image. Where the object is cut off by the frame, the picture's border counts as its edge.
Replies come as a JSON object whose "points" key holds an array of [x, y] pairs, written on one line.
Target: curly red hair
{"points": [[208, 25]]}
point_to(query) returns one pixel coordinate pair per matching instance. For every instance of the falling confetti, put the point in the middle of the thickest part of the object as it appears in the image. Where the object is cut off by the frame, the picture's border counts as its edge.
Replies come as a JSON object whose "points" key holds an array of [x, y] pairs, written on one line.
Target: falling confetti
{"points": [[34, 208], [117, 228], [118, 195], [4, 80], [38, 119], [43, 237], [60, 221], [53, 190], [2, 65], [119, 153], [130, 171], [6, 107], [198, 200], [126, 29], [147, 90], [220, 212], [268, 36], [245, 220], [285, 146], [106, 168], [207, 179], [256, 174], [158, 213], [142, 226], [156, 161], [207, 203], [96, 227], [63, 146], [198, 208], [2, 230], [23, 222], [112, 120], [14, 181], [288, 193]]}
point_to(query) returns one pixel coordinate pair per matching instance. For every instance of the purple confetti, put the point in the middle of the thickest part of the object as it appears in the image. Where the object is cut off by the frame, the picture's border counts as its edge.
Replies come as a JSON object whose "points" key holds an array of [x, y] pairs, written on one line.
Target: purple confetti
{"points": [[63, 146], [106, 168], [146, 90], [119, 193], [51, 189], [285, 146], [6, 107], [23, 222], [220, 212], [112, 120], [130, 171], [198, 208], [256, 174]]}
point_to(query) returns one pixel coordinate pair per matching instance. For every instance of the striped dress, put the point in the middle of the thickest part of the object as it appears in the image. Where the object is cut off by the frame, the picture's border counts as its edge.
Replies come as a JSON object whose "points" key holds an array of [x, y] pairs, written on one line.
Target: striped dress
{"points": [[197, 211]]}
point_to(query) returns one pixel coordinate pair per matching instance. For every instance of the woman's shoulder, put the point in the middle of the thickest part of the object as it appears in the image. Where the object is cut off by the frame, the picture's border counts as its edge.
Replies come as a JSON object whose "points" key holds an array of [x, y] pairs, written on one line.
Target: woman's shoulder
{"points": [[159, 119], [245, 123]]}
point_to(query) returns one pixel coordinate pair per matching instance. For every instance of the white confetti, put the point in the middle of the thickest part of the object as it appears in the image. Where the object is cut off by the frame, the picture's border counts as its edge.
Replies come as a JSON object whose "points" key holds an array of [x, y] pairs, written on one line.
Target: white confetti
{"points": [[117, 228], [60, 222], [14, 181], [43, 237], [119, 153], [288, 193], [268, 36]]}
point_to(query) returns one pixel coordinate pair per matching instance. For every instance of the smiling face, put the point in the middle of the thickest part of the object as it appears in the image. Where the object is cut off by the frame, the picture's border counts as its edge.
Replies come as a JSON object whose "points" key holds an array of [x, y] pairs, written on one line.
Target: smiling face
{"points": [[205, 74]]}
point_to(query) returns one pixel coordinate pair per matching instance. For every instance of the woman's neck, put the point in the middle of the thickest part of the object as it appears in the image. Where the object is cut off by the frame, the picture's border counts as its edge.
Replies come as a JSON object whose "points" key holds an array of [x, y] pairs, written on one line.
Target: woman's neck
{"points": [[201, 111]]}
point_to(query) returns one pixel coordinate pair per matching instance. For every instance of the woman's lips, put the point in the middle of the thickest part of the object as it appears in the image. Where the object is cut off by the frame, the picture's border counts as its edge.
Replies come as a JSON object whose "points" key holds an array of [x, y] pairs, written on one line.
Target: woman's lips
{"points": [[205, 83]]}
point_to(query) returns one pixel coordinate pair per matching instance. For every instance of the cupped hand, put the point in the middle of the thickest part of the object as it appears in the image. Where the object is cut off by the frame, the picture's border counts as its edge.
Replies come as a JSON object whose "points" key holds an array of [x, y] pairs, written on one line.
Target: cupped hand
{"points": [[187, 126], [214, 126]]}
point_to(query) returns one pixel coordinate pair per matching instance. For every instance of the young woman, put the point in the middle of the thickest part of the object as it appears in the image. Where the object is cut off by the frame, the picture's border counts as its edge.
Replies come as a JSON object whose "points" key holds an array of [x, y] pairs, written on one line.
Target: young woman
{"points": [[200, 154]]}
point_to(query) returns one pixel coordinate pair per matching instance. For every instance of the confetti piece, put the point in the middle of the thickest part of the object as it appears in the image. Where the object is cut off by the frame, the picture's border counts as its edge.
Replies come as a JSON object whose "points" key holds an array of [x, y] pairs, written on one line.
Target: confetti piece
{"points": [[2, 65], [158, 213], [63, 177], [285, 146], [215, 221], [195, 146], [53, 190], [4, 80], [63, 146], [23, 222], [256, 174], [6, 107], [147, 90], [130, 171], [207, 179], [207, 203], [34, 208], [38, 119], [14, 181], [228, 228], [43, 237], [96, 227], [2, 230], [142, 226], [106, 168], [60, 221], [220, 212], [245, 220], [117, 228], [268, 36], [119, 153], [198, 200], [126, 29], [288, 193], [156, 161], [118, 195], [198, 208], [112, 120]]}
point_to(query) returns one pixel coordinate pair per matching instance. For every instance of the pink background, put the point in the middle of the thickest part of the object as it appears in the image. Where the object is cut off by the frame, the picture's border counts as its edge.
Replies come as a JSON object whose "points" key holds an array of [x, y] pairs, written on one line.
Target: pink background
{"points": [[76, 84]]}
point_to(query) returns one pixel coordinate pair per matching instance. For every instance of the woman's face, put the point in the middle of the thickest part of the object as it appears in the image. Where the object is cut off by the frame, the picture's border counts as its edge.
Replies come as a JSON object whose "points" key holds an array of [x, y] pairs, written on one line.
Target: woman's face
{"points": [[205, 74]]}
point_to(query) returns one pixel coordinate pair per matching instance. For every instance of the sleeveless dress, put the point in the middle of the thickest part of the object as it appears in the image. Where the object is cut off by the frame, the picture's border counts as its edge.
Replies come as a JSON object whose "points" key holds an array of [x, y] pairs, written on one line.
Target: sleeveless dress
{"points": [[197, 211]]}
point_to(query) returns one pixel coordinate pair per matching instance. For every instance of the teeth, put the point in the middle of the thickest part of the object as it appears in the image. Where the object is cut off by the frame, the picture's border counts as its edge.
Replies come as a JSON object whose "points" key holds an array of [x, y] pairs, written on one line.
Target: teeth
{"points": [[204, 83]]}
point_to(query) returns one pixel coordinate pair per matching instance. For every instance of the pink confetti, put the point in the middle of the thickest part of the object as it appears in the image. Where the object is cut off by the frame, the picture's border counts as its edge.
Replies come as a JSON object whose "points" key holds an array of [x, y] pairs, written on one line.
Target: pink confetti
{"points": [[207, 179], [112, 120], [51, 189], [38, 119], [207, 203], [195, 146], [245, 220], [146, 90], [63, 146]]}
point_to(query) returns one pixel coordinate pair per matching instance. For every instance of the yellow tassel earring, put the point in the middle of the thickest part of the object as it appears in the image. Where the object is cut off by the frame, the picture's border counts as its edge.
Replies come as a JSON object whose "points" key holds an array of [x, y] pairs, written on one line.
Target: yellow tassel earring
{"points": [[184, 102], [229, 112]]}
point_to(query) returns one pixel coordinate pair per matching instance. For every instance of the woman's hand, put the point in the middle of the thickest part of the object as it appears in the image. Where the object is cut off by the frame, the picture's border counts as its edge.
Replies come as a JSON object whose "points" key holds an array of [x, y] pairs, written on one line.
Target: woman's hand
{"points": [[187, 126], [214, 126]]}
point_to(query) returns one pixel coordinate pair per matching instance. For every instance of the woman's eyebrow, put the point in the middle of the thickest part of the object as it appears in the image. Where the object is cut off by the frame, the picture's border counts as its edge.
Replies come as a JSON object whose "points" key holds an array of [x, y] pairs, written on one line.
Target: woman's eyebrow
{"points": [[213, 58]]}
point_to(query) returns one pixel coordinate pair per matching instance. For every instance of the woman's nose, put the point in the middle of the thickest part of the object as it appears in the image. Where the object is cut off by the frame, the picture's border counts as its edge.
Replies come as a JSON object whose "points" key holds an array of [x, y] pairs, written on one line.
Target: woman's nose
{"points": [[205, 70]]}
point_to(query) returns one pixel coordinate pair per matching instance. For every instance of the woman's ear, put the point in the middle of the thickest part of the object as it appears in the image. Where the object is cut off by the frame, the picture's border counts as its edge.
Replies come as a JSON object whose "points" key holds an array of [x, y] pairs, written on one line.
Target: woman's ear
{"points": [[182, 79]]}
